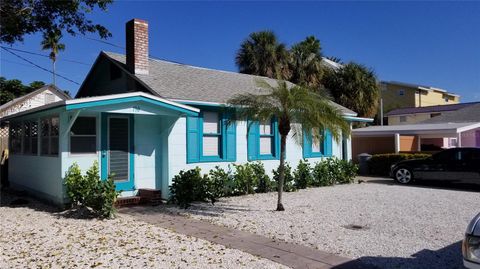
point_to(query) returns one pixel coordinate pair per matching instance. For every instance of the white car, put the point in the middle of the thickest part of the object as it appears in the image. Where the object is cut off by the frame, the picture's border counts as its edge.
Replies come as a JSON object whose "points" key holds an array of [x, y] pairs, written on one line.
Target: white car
{"points": [[471, 244]]}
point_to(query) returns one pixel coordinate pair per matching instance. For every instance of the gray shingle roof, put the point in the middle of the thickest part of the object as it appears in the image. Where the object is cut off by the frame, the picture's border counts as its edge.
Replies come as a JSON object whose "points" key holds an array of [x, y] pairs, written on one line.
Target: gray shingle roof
{"points": [[429, 109], [467, 114], [184, 82]]}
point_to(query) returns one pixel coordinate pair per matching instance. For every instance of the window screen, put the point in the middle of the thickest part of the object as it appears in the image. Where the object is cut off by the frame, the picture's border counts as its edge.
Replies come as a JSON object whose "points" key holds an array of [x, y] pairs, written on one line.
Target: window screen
{"points": [[83, 137], [49, 136]]}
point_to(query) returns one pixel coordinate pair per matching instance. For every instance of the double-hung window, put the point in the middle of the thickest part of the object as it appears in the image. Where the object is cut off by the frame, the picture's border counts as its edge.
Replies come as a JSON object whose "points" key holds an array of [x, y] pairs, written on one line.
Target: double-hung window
{"points": [[49, 136], [210, 137], [263, 140], [83, 135], [317, 144]]}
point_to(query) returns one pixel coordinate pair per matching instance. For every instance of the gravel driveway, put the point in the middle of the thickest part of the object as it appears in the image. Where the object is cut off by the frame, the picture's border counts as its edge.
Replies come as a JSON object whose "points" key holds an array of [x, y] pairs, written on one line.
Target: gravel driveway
{"points": [[400, 226], [34, 236]]}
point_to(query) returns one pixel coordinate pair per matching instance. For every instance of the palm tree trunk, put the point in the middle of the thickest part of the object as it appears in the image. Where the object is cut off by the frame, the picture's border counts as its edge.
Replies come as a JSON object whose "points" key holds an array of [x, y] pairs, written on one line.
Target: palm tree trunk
{"points": [[54, 78], [281, 172]]}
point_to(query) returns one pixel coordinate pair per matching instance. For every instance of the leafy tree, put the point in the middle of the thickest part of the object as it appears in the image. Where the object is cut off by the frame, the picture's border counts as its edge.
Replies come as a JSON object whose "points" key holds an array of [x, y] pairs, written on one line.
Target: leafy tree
{"points": [[13, 88], [23, 17], [261, 54], [51, 41], [297, 108], [306, 62], [354, 86]]}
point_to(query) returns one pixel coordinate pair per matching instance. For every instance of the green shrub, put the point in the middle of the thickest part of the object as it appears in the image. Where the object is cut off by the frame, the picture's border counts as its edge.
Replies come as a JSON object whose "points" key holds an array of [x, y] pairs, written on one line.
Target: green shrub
{"points": [[245, 179], [189, 186], [380, 164], [346, 172], [221, 183], [289, 182], [264, 184], [322, 174], [334, 171], [90, 191], [303, 175]]}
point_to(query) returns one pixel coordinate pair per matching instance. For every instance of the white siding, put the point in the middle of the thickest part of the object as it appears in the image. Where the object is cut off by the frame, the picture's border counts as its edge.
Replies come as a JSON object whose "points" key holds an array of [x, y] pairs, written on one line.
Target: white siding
{"points": [[32, 102], [177, 157]]}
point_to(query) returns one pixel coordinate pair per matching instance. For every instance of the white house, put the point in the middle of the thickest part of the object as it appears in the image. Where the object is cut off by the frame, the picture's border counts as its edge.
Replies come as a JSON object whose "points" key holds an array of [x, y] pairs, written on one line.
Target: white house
{"points": [[145, 120]]}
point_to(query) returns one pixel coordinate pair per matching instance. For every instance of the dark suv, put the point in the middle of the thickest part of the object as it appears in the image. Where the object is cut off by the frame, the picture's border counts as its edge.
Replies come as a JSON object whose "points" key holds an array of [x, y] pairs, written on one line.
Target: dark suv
{"points": [[456, 164]]}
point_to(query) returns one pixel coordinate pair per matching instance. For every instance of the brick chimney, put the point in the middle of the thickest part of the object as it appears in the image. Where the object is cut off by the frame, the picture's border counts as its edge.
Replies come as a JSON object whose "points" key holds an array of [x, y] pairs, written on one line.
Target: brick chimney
{"points": [[137, 46]]}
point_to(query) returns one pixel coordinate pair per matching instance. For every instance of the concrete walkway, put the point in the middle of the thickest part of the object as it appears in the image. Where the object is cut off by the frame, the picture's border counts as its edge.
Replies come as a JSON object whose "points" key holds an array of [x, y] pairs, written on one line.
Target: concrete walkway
{"points": [[289, 254]]}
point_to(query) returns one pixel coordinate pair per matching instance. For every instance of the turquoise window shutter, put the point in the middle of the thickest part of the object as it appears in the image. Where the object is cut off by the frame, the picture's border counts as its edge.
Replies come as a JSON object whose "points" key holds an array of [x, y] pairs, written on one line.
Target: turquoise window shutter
{"points": [[253, 140], [276, 149], [328, 143], [307, 144], [193, 139], [230, 139]]}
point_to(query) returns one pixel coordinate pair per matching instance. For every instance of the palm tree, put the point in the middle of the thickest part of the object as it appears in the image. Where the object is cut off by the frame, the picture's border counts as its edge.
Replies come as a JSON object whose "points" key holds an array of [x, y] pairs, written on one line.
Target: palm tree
{"points": [[296, 108], [354, 86], [261, 54], [306, 63], [51, 41], [335, 59]]}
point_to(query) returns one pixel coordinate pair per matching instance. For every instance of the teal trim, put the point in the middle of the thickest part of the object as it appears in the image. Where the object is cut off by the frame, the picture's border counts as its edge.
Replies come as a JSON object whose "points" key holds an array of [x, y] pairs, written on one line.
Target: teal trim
{"points": [[327, 144], [307, 146], [193, 140], [358, 119], [200, 104], [228, 140], [253, 130], [119, 186], [253, 142], [128, 100], [104, 146]]}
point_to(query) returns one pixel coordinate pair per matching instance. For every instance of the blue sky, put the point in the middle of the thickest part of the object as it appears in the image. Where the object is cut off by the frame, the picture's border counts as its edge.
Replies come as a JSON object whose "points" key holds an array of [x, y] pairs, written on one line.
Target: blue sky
{"points": [[431, 43]]}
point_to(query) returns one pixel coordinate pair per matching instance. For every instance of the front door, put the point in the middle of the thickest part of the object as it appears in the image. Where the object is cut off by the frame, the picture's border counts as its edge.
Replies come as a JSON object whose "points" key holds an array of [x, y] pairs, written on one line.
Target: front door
{"points": [[117, 150]]}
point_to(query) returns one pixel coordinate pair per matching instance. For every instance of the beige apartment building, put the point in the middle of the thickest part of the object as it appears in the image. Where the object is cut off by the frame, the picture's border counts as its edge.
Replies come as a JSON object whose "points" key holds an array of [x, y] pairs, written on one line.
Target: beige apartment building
{"points": [[399, 95]]}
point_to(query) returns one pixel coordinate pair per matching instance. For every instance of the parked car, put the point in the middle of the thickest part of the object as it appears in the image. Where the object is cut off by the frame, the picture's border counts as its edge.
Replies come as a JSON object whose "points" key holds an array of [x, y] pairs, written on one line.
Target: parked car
{"points": [[455, 164], [471, 244]]}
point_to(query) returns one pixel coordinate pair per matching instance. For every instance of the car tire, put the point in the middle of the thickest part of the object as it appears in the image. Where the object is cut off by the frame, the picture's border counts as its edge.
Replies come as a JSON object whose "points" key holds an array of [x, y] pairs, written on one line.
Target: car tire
{"points": [[403, 175]]}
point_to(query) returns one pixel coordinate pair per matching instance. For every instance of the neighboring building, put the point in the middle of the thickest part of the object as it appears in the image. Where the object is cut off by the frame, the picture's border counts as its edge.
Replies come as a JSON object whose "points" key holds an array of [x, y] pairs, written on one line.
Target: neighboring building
{"points": [[460, 128], [42, 96], [145, 120], [401, 95], [410, 115]]}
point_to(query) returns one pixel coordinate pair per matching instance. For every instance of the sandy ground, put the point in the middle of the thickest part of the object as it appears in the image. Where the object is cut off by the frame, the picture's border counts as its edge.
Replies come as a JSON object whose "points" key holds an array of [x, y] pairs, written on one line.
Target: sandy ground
{"points": [[401, 226], [34, 236]]}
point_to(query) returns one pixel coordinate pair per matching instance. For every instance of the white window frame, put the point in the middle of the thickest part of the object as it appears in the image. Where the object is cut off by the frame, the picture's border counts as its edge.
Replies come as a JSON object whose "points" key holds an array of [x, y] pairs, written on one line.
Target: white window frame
{"points": [[218, 135], [270, 135]]}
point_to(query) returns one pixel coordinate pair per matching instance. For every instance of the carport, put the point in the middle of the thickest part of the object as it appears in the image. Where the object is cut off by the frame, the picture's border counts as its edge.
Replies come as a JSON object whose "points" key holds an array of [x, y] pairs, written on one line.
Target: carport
{"points": [[411, 137]]}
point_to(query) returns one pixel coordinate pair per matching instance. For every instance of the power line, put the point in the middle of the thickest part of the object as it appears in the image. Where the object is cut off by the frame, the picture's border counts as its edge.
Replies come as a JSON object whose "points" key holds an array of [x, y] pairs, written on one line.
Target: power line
{"points": [[104, 42], [43, 55], [38, 66], [14, 62]]}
